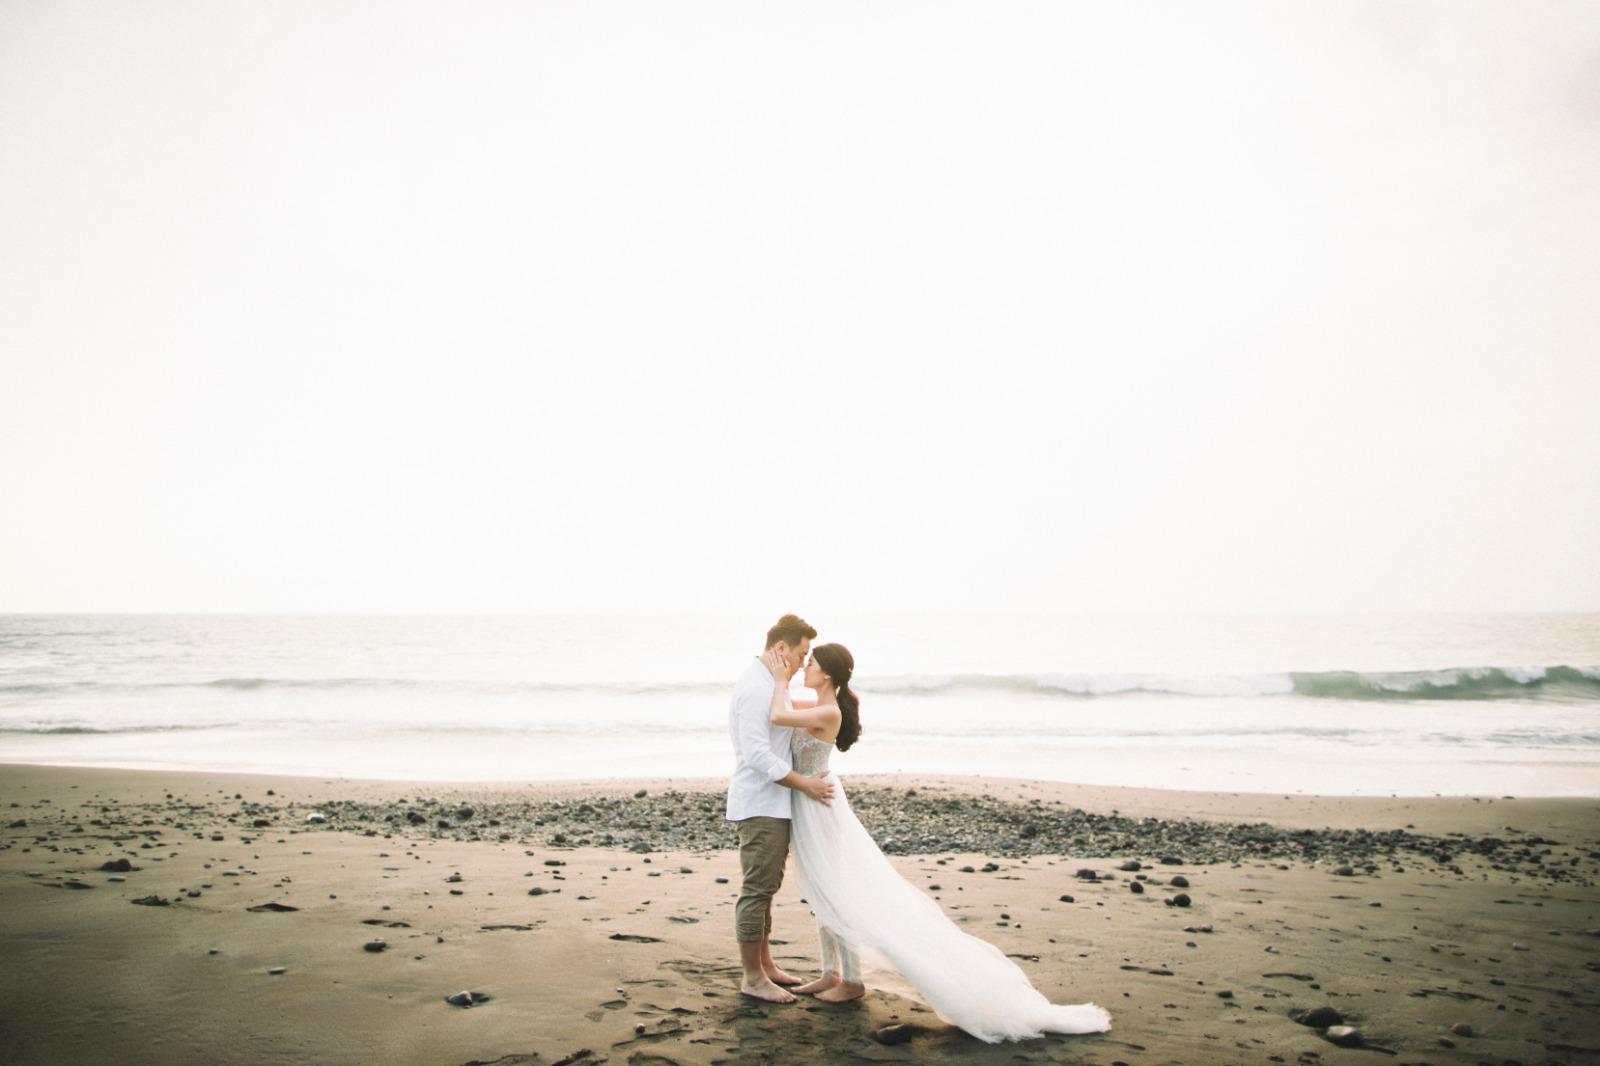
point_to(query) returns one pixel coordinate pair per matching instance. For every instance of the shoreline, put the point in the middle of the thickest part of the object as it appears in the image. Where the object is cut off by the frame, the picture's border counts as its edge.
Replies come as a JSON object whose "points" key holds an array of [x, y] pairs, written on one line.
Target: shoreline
{"points": [[622, 950]]}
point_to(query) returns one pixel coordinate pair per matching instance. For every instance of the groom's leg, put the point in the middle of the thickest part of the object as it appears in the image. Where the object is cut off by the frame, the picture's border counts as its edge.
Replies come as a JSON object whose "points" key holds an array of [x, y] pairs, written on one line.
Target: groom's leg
{"points": [[763, 847]]}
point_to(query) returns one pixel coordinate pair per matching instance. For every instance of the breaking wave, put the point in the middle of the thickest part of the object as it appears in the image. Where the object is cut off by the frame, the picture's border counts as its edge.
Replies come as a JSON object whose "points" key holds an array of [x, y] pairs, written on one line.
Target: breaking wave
{"points": [[1557, 683]]}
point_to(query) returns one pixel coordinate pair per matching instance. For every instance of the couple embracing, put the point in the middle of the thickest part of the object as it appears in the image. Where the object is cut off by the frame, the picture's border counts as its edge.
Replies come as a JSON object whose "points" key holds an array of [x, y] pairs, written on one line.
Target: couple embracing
{"points": [[782, 797]]}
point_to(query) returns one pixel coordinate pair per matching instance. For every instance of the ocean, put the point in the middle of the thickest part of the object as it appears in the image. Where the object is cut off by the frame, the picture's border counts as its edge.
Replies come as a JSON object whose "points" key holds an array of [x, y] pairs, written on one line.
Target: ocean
{"points": [[1381, 704]]}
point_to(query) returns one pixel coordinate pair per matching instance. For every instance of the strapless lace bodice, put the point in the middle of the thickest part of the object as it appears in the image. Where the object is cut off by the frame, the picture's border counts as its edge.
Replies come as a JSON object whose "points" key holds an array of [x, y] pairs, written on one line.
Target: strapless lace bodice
{"points": [[810, 754]]}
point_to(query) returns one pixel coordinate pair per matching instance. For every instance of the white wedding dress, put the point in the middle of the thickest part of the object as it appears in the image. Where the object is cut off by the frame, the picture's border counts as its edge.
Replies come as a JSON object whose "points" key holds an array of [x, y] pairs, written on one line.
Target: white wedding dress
{"points": [[861, 901]]}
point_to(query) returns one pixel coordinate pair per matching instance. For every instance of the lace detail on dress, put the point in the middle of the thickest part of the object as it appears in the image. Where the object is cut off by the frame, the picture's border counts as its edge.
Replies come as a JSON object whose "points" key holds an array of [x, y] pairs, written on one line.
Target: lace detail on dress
{"points": [[810, 754]]}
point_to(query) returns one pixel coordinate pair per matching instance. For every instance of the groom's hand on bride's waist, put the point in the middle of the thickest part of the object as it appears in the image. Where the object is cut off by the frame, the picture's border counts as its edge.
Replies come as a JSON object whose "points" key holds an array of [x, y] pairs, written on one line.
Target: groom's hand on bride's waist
{"points": [[818, 789]]}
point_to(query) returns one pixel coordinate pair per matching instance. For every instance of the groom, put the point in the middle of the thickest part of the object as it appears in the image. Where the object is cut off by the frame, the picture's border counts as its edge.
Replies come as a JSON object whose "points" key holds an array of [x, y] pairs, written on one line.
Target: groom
{"points": [[758, 804]]}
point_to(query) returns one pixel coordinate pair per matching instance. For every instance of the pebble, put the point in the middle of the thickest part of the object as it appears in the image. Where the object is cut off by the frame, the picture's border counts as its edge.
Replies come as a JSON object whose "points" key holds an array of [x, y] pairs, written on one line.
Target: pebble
{"points": [[894, 1034], [1343, 1035], [1344, 871], [1180, 900], [316, 817], [1068, 899], [1318, 1017], [1179, 881], [1132, 866], [118, 866], [1461, 1029], [277, 970], [1086, 875], [1136, 888], [375, 945], [467, 999]]}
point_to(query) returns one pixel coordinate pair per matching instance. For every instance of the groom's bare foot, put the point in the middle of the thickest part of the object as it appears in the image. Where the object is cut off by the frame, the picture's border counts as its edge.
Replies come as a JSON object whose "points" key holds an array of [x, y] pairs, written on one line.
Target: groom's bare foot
{"points": [[764, 990], [779, 977], [843, 993], [827, 980]]}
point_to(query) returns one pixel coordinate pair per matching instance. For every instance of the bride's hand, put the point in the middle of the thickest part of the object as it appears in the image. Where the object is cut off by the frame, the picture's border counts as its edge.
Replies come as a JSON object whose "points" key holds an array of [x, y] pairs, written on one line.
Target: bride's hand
{"points": [[777, 663]]}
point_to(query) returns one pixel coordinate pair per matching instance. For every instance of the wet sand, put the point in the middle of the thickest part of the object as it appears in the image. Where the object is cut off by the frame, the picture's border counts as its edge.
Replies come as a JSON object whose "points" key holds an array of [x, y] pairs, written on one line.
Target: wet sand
{"points": [[598, 922]]}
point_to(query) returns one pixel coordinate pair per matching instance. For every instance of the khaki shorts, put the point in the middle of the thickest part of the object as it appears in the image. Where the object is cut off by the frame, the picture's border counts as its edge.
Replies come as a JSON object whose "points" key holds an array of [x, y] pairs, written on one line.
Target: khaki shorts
{"points": [[763, 849]]}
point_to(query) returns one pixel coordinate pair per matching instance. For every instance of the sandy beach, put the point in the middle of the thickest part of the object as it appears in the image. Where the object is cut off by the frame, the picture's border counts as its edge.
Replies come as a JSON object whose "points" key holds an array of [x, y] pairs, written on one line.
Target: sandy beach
{"points": [[161, 917]]}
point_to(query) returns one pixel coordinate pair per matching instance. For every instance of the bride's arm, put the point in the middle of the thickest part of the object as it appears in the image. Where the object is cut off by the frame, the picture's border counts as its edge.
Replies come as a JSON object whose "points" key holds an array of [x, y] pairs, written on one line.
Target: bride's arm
{"points": [[805, 715], [811, 718]]}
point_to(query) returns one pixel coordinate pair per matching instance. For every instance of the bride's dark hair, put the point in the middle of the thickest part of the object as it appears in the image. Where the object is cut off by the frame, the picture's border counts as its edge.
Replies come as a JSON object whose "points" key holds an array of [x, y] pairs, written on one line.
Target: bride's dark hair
{"points": [[837, 662]]}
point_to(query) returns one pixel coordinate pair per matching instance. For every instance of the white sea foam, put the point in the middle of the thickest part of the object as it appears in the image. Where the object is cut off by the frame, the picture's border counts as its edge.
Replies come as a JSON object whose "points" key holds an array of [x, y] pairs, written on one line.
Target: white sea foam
{"points": [[1261, 704]]}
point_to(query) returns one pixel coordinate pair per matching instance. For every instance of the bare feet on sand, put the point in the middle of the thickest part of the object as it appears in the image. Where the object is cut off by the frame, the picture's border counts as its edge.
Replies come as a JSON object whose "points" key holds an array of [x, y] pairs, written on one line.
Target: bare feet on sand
{"points": [[779, 977], [765, 990], [827, 980], [843, 993]]}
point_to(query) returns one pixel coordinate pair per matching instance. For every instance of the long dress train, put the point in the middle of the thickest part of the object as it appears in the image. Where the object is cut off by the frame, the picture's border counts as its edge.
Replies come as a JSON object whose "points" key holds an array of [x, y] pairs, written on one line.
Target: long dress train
{"points": [[861, 901]]}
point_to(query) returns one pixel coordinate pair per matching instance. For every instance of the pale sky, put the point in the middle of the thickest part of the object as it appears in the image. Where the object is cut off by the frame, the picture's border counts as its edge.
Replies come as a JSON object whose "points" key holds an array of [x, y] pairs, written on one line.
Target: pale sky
{"points": [[833, 306]]}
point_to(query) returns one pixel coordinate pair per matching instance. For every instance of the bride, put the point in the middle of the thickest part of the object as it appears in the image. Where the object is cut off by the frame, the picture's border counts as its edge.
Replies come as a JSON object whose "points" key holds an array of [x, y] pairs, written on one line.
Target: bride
{"points": [[861, 901]]}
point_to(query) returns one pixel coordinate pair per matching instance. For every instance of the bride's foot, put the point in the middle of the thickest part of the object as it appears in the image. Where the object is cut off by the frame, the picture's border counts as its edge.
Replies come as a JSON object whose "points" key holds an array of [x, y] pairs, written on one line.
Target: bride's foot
{"points": [[779, 977], [843, 992], [764, 990], [826, 981]]}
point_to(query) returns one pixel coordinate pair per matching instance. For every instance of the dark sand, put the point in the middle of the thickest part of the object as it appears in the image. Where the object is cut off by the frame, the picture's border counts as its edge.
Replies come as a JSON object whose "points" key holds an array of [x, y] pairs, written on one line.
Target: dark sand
{"points": [[1497, 928]]}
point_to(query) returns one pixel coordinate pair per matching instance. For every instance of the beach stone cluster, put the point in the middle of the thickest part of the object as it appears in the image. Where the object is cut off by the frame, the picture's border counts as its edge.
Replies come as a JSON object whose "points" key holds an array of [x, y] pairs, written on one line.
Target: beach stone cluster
{"points": [[924, 821]]}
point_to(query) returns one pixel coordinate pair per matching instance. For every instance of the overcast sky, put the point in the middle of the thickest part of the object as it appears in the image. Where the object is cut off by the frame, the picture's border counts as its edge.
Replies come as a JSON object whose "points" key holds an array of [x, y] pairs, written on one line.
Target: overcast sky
{"points": [[653, 306]]}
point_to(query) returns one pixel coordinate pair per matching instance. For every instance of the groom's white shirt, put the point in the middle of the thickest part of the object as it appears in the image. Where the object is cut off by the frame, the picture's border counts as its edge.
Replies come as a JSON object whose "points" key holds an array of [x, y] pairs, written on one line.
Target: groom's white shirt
{"points": [[762, 749]]}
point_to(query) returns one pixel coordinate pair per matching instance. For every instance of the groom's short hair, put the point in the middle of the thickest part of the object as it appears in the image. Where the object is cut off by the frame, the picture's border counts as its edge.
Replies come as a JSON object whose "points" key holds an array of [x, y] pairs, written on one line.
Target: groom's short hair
{"points": [[791, 629]]}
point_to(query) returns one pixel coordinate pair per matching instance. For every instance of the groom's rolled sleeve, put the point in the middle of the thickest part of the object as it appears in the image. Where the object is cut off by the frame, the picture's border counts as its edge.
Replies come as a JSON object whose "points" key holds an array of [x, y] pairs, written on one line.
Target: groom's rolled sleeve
{"points": [[755, 735]]}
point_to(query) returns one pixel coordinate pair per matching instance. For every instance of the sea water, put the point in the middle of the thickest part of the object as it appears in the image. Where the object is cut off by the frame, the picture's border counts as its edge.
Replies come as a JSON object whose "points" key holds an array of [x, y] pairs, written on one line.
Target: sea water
{"points": [[1381, 704]]}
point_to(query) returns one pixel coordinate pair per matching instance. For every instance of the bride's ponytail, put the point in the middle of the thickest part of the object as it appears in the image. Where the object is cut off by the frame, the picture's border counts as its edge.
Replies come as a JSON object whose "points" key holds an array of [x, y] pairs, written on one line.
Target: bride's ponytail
{"points": [[850, 712], [837, 662]]}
